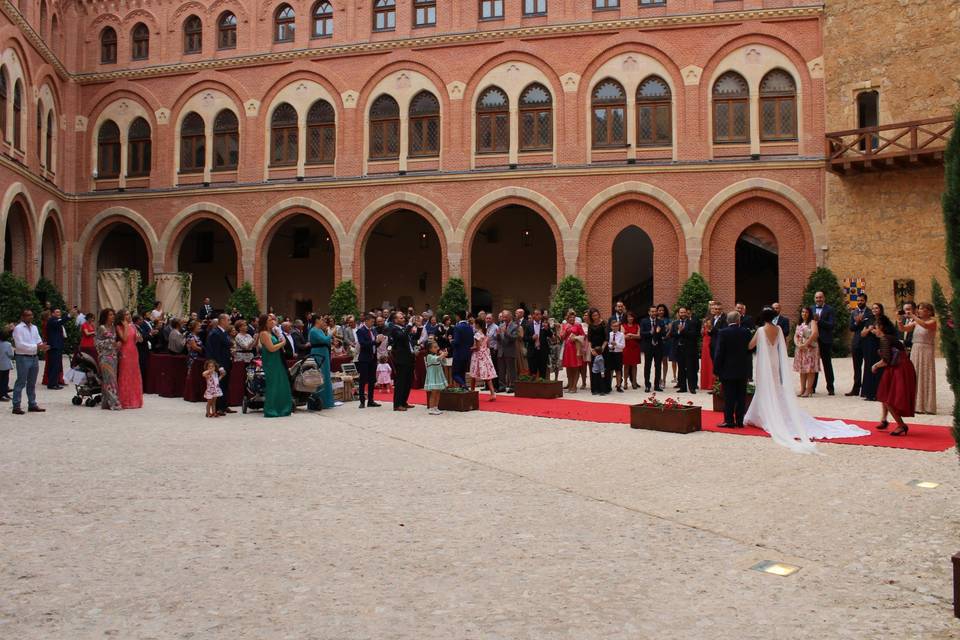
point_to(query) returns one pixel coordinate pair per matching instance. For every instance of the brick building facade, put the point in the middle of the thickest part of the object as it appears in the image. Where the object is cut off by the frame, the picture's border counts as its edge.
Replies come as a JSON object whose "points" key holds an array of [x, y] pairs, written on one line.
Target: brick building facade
{"points": [[295, 145]]}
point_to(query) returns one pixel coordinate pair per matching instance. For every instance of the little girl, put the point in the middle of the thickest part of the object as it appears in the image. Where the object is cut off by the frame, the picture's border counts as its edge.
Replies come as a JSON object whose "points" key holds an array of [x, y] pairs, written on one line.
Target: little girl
{"points": [[212, 373], [384, 373], [436, 381]]}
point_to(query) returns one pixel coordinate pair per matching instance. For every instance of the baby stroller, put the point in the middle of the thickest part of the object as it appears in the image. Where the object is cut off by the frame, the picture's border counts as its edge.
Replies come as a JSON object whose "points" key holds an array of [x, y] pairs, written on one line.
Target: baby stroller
{"points": [[305, 378], [85, 374], [255, 387]]}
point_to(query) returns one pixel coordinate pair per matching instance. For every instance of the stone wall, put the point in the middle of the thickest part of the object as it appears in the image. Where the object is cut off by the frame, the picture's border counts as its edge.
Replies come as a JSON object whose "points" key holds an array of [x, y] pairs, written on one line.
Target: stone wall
{"points": [[888, 226]]}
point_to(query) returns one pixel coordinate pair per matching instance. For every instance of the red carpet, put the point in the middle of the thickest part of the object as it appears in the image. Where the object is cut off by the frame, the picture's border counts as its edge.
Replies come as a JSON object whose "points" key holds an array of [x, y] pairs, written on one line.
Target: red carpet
{"points": [[921, 437]]}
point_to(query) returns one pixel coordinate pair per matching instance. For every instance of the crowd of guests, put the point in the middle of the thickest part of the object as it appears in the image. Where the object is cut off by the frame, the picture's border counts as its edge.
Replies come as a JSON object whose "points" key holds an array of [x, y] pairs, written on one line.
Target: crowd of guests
{"points": [[893, 360]]}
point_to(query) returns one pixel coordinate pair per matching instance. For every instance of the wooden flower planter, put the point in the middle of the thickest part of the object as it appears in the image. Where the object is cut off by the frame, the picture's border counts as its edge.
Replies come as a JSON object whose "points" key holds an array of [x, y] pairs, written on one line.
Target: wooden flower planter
{"points": [[459, 401], [685, 420], [546, 390], [718, 400]]}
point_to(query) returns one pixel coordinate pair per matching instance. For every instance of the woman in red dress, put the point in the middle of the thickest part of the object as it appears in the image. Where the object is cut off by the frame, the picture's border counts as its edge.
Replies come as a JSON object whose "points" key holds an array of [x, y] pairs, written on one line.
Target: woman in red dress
{"points": [[573, 337], [706, 359], [129, 382], [631, 349], [88, 332], [898, 386]]}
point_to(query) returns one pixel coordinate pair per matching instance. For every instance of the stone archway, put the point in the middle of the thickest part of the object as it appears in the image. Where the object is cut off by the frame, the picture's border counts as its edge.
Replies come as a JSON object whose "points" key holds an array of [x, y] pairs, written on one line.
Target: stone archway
{"points": [[757, 268], [119, 245], [632, 272], [208, 250], [402, 262], [513, 260], [51, 255], [17, 240], [299, 258]]}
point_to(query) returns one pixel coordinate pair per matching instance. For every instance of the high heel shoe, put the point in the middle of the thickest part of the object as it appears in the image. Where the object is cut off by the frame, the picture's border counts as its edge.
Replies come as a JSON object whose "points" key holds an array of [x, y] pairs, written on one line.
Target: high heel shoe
{"points": [[883, 425], [902, 430]]}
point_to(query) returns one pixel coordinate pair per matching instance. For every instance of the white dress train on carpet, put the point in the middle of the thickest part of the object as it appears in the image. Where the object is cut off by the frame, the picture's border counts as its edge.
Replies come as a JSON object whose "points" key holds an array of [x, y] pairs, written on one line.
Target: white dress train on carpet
{"points": [[775, 410]]}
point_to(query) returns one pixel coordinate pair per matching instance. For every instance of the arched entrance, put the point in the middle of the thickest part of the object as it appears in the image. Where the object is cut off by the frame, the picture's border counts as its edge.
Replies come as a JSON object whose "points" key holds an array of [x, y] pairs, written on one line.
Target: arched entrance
{"points": [[633, 269], [299, 266], [50, 258], [402, 262], [208, 251], [513, 261], [757, 268], [122, 248], [17, 242]]}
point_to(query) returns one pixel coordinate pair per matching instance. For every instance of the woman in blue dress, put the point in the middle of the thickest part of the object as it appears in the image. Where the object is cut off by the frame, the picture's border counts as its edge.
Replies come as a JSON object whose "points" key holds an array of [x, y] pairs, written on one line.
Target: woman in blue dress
{"points": [[320, 350]]}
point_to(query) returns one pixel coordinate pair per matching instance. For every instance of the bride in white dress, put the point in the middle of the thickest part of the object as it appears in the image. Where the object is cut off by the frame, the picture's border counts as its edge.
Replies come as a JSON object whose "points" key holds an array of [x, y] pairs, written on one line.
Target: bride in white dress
{"points": [[774, 408]]}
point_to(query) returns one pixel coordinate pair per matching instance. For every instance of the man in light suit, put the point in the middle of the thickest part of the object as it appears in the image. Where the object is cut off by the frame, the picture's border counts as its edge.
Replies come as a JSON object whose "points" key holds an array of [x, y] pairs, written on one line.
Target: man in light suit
{"points": [[509, 330]]}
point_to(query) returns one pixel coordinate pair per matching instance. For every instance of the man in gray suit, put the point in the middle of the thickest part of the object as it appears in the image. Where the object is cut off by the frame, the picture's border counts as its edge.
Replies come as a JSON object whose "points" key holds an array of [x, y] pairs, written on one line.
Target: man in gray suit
{"points": [[509, 330]]}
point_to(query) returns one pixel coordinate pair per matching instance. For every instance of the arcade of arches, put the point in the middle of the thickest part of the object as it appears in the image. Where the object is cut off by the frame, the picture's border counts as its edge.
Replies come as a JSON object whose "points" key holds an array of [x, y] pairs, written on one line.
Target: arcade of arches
{"points": [[630, 248]]}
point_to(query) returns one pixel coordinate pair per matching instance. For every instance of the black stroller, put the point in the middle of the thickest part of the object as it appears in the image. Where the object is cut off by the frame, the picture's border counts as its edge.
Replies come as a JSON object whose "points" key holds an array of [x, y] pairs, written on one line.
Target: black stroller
{"points": [[85, 374], [254, 388]]}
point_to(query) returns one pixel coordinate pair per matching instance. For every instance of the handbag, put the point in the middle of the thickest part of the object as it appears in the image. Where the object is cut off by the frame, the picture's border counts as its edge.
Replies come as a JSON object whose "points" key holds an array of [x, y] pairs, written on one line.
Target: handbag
{"points": [[309, 380]]}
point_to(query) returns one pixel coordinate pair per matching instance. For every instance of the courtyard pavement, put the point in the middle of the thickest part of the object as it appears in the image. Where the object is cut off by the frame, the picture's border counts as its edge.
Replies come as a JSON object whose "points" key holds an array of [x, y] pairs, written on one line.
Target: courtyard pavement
{"points": [[355, 525]]}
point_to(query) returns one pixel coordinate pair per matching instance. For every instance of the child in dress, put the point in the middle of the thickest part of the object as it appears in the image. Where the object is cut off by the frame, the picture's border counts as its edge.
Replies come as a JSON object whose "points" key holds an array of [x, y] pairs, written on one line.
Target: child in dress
{"points": [[436, 381], [212, 374], [384, 374]]}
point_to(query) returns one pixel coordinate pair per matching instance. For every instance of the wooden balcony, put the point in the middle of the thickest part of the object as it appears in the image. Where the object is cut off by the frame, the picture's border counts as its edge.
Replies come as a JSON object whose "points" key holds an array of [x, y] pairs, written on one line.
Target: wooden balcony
{"points": [[892, 146]]}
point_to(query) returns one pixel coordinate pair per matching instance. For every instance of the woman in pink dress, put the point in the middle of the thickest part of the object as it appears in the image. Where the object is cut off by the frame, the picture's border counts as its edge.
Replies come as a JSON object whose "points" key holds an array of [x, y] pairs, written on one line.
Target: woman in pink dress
{"points": [[481, 364], [129, 383], [573, 338]]}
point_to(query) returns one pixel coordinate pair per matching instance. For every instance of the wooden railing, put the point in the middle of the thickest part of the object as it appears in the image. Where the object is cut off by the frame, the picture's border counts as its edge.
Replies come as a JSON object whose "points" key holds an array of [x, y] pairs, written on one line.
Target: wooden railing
{"points": [[889, 147]]}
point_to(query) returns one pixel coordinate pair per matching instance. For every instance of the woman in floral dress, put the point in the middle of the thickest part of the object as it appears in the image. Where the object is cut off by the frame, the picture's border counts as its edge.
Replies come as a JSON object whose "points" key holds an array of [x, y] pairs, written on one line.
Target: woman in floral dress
{"points": [[481, 365], [806, 359], [106, 343]]}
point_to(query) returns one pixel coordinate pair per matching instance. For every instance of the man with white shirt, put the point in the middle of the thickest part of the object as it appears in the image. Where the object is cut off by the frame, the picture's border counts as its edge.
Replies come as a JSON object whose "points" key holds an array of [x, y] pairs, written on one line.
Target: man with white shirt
{"points": [[537, 335], [27, 346]]}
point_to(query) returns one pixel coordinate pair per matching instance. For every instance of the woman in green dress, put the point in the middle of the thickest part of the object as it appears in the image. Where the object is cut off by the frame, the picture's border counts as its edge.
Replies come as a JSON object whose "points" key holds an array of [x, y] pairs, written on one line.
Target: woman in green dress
{"points": [[320, 350], [278, 400]]}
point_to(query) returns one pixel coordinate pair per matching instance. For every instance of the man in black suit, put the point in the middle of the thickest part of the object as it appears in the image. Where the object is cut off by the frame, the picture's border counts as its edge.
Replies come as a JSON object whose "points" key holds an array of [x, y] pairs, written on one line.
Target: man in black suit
{"points": [[218, 348], [861, 318], [536, 335], [652, 329], [826, 322], [54, 366], [301, 346], [399, 334], [781, 321], [746, 321], [733, 365], [717, 322], [206, 310], [367, 361], [619, 314], [687, 332]]}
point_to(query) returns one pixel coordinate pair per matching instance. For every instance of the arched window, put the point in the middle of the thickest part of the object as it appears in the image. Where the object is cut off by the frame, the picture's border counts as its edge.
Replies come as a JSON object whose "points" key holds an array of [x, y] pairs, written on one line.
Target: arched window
{"points": [[284, 24], [493, 121], [731, 109], [609, 105], [193, 144], [43, 19], [17, 115], [39, 120], [55, 35], [384, 15], [424, 125], [108, 46], [226, 141], [3, 104], [384, 129], [227, 31], [138, 148], [536, 118], [322, 20], [108, 150], [140, 37], [49, 158], [653, 113], [283, 135], [778, 106], [192, 35], [321, 133]]}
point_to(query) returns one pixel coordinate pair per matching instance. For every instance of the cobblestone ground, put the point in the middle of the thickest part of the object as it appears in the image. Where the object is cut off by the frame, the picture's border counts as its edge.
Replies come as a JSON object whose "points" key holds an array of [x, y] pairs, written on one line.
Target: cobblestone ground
{"points": [[354, 525]]}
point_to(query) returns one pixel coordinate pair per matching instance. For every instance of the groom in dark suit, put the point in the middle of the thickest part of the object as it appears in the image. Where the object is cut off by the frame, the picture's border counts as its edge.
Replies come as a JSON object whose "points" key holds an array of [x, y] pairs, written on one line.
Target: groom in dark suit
{"points": [[826, 323], [733, 365]]}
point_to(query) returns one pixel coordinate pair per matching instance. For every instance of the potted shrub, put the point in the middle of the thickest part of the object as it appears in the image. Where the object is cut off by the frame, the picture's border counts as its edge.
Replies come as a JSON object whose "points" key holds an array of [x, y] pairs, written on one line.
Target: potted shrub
{"points": [[458, 399], [670, 415], [531, 387], [718, 395]]}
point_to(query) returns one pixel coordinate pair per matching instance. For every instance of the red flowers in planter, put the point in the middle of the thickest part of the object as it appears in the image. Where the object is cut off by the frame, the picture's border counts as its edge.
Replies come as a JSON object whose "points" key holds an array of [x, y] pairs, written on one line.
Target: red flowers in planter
{"points": [[670, 403]]}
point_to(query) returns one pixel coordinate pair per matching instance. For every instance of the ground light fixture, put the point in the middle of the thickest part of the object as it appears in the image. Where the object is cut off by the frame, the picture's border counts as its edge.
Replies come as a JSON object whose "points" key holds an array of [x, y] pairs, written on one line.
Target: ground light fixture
{"points": [[781, 569], [923, 484]]}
